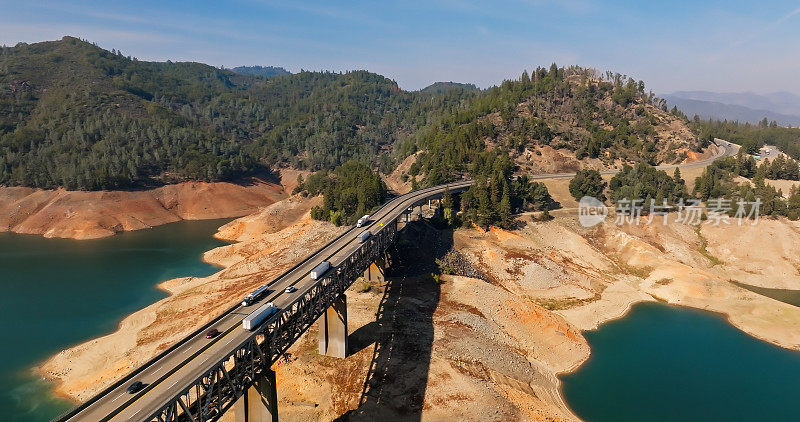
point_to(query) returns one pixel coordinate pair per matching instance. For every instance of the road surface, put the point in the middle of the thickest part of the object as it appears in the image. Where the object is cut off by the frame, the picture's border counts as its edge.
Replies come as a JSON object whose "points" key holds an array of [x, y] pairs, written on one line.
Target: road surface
{"points": [[189, 359]]}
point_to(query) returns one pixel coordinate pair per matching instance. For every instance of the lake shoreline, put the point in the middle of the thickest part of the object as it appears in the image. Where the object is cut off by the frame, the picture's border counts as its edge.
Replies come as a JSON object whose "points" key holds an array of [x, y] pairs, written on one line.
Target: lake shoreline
{"points": [[706, 335], [162, 286], [82, 215], [84, 369], [520, 261], [84, 291]]}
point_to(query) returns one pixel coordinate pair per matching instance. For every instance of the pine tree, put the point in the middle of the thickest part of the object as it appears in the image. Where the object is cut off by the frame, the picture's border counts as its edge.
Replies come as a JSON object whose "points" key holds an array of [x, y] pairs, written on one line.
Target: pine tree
{"points": [[447, 207], [504, 214]]}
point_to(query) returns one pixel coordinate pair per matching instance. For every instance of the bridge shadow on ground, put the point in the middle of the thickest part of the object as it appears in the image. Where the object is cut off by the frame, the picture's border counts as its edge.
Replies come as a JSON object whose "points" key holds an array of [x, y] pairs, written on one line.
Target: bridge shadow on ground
{"points": [[403, 331]]}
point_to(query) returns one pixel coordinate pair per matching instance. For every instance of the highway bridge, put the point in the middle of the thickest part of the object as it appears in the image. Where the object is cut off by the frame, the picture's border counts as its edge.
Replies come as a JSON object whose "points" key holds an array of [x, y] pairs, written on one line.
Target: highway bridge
{"points": [[199, 379]]}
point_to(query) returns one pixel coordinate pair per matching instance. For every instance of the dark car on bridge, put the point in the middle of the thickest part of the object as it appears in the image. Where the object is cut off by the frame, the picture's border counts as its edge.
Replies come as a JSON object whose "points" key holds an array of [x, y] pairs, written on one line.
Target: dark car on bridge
{"points": [[135, 387], [212, 333]]}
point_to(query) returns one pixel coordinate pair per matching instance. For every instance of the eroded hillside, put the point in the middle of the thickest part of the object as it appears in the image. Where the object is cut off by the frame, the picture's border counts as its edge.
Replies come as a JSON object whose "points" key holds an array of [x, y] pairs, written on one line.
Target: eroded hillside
{"points": [[483, 343]]}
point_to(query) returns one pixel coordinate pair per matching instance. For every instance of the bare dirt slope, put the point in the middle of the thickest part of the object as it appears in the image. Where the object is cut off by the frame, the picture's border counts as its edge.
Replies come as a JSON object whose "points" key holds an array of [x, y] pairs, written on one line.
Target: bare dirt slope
{"points": [[485, 348], [462, 349], [82, 370], [395, 182], [88, 215], [590, 276]]}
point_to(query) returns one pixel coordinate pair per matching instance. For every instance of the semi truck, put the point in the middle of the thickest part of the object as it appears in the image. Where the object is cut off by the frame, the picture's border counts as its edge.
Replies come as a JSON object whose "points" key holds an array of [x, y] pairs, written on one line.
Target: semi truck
{"points": [[362, 221], [258, 316], [255, 296], [320, 269], [364, 236]]}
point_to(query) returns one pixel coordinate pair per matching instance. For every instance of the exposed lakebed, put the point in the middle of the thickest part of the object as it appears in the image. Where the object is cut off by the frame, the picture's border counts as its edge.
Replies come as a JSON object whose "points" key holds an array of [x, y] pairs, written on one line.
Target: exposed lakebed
{"points": [[660, 362]]}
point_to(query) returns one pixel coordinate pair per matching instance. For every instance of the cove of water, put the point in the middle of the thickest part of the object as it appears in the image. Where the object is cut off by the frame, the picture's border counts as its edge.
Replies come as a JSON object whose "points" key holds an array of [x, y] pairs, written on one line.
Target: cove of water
{"points": [[60, 292], [668, 363]]}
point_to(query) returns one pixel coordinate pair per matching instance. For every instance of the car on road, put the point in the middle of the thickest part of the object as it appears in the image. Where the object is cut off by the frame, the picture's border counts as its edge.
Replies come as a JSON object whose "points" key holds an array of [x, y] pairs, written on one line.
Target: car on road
{"points": [[135, 387], [290, 289], [212, 333]]}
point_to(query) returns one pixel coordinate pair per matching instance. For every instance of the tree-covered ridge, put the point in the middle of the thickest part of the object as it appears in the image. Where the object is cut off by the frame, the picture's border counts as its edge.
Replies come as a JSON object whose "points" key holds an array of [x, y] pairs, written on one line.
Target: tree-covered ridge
{"points": [[442, 87], [649, 184], [263, 71], [610, 118], [750, 137], [75, 115], [780, 167], [717, 181], [349, 191]]}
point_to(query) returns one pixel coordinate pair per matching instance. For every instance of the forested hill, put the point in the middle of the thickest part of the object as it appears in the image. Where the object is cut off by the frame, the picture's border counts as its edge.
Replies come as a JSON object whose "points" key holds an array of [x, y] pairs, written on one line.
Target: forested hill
{"points": [[607, 119], [77, 116], [81, 117], [442, 87], [265, 71]]}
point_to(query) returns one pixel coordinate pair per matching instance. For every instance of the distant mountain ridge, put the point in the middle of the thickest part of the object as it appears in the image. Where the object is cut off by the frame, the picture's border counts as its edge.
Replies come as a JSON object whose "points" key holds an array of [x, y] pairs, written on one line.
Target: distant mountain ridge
{"points": [[442, 87], [783, 107], [77, 116], [265, 71]]}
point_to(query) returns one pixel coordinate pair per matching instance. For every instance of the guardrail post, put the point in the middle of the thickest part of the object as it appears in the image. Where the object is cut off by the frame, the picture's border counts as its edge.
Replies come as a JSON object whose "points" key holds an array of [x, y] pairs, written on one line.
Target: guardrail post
{"points": [[259, 402], [333, 329]]}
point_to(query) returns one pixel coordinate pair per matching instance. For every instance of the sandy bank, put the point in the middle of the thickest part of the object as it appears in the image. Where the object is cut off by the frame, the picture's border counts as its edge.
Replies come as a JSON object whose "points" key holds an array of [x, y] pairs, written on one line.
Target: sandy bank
{"points": [[89, 215], [591, 276], [87, 368], [462, 349], [466, 349]]}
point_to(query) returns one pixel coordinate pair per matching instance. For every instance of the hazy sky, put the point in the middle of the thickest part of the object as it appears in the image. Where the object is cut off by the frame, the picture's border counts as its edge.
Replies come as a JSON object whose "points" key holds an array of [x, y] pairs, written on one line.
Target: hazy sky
{"points": [[728, 45]]}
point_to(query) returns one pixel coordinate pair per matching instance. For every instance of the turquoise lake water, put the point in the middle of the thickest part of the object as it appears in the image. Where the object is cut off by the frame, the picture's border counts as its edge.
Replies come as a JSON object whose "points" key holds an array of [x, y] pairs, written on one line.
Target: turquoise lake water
{"points": [[659, 363], [60, 292], [667, 363]]}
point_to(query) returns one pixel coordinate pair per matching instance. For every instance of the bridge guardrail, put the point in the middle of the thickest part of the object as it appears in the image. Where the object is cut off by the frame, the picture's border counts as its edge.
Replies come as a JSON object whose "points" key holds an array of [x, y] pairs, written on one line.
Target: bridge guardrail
{"points": [[265, 325], [127, 378]]}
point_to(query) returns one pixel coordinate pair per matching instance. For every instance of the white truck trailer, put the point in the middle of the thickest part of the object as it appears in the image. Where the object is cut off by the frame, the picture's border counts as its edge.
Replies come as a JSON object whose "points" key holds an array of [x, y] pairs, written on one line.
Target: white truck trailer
{"points": [[320, 269], [258, 316], [363, 221], [364, 236], [255, 296]]}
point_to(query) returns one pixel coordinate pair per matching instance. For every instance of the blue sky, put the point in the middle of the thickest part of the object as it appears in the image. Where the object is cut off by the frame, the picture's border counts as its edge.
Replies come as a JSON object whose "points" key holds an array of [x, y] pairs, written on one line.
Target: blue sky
{"points": [[729, 46]]}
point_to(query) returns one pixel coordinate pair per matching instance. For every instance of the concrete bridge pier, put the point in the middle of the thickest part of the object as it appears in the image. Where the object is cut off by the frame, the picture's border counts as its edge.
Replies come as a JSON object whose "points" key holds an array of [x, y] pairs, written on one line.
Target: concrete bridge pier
{"points": [[333, 329], [375, 271], [259, 402]]}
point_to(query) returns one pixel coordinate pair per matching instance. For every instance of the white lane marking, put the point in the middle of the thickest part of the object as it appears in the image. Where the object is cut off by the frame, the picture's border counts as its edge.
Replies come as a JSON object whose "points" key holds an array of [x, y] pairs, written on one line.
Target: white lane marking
{"points": [[118, 397]]}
